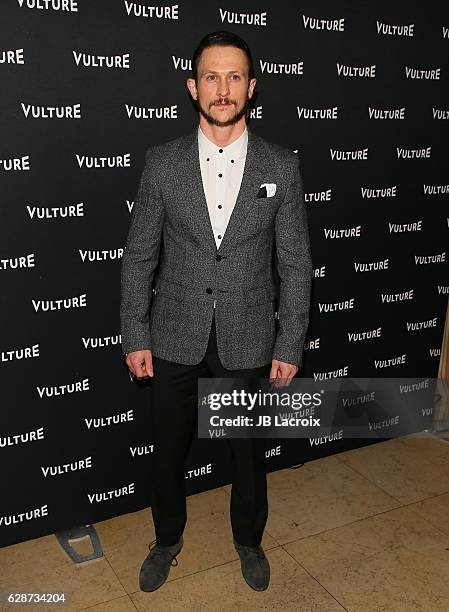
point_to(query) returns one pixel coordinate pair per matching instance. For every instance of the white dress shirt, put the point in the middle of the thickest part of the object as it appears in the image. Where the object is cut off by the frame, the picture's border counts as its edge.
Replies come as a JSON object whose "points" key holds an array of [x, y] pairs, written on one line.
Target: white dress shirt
{"points": [[222, 172]]}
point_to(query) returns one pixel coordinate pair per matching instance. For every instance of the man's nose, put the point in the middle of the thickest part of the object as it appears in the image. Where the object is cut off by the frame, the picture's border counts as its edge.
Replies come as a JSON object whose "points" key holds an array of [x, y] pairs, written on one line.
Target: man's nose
{"points": [[223, 87]]}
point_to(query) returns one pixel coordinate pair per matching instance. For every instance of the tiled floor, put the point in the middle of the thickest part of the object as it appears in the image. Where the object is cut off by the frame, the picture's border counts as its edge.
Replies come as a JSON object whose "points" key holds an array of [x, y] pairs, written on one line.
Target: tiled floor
{"points": [[364, 530]]}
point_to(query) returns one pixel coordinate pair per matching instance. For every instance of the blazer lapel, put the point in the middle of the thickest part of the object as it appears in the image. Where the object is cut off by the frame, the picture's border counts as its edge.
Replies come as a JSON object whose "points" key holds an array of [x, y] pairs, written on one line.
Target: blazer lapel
{"points": [[189, 172], [253, 176]]}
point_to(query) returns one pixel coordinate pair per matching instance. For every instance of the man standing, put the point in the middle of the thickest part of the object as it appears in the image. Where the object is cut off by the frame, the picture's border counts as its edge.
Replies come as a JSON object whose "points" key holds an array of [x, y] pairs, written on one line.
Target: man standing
{"points": [[211, 209]]}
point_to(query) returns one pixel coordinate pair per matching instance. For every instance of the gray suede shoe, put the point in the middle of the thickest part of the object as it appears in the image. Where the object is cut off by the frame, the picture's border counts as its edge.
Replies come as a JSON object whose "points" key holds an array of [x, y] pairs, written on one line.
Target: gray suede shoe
{"points": [[255, 566], [156, 567]]}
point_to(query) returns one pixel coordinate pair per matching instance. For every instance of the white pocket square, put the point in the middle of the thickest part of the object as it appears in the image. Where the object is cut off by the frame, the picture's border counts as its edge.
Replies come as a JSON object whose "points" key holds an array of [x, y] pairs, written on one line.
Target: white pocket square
{"points": [[271, 189]]}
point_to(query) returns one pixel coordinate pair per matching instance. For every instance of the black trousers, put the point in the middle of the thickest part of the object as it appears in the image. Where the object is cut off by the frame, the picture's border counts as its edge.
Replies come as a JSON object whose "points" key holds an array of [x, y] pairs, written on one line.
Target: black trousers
{"points": [[174, 410]]}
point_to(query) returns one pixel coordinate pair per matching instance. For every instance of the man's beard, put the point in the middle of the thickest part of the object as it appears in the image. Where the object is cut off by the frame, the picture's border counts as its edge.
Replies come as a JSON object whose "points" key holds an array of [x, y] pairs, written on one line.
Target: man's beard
{"points": [[236, 117]]}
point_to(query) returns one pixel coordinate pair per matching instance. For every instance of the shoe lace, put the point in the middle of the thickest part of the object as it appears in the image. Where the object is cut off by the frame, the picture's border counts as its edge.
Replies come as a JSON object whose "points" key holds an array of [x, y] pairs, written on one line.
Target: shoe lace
{"points": [[159, 551], [249, 550]]}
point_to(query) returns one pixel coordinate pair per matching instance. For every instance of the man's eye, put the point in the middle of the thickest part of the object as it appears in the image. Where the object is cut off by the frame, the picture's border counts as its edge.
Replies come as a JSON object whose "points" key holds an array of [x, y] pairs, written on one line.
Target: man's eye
{"points": [[236, 77], [210, 77]]}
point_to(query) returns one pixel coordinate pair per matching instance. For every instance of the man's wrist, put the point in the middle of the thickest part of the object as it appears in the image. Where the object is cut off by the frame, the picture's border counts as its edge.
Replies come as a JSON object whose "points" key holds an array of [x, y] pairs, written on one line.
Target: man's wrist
{"points": [[136, 350]]}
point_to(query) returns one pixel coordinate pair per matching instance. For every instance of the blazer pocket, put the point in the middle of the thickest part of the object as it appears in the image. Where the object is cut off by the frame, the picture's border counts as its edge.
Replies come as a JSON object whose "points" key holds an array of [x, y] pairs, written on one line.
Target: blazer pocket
{"points": [[259, 295], [175, 291]]}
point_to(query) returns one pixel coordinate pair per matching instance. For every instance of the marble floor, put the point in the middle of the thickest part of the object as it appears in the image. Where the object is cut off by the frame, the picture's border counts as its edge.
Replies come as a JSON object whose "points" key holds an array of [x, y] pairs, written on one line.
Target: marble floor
{"points": [[364, 530]]}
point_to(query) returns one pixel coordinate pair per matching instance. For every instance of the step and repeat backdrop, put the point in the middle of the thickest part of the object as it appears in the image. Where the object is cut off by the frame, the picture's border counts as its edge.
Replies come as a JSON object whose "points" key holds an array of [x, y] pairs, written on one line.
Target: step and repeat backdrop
{"points": [[360, 91]]}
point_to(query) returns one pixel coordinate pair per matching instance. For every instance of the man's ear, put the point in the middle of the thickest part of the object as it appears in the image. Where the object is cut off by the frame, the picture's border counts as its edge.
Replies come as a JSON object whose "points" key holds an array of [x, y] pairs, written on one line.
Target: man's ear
{"points": [[191, 85], [251, 87]]}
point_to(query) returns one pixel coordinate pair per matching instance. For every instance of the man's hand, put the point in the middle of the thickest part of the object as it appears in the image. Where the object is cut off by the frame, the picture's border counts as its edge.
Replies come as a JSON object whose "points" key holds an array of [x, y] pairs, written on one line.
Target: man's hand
{"points": [[282, 372], [140, 363]]}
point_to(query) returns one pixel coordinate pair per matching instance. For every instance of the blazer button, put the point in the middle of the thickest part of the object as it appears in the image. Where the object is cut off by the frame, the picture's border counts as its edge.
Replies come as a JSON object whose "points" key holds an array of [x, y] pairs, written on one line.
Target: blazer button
{"points": [[218, 257], [208, 290]]}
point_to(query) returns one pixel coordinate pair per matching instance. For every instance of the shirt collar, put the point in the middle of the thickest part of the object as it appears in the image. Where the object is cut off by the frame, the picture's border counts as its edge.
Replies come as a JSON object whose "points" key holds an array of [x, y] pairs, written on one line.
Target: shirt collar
{"points": [[235, 150]]}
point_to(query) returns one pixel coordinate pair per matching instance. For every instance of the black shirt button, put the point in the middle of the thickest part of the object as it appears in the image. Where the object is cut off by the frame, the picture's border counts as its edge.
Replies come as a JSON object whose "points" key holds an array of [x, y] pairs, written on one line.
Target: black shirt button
{"points": [[232, 161], [207, 158], [220, 175], [220, 150], [220, 206], [219, 236], [208, 290]]}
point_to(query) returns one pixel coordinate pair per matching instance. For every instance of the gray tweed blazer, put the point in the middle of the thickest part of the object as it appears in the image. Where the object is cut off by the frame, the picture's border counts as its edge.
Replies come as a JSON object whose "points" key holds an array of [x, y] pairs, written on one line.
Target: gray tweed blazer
{"points": [[173, 276]]}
